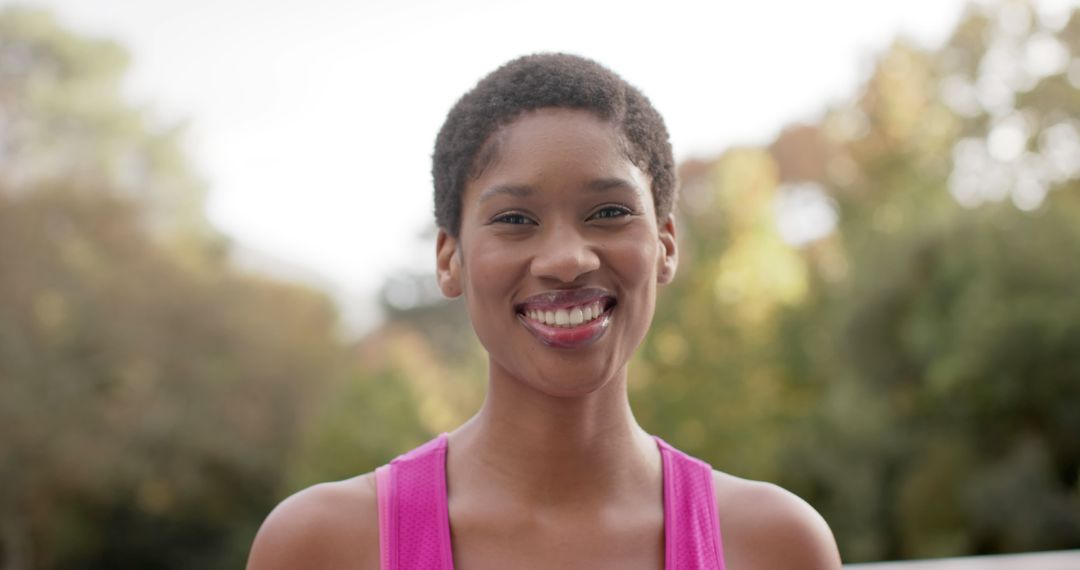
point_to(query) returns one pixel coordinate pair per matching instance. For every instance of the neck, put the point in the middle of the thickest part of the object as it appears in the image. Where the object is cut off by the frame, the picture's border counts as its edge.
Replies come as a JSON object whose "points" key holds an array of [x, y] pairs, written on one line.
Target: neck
{"points": [[545, 450]]}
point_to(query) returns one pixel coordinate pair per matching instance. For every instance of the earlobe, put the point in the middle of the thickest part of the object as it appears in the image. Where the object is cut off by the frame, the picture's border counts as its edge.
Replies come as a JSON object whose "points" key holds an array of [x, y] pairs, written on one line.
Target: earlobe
{"points": [[668, 257], [448, 264]]}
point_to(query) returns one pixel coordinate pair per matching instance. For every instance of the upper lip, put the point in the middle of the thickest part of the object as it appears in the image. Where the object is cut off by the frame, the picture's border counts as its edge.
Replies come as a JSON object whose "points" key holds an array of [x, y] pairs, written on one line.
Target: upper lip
{"points": [[565, 298]]}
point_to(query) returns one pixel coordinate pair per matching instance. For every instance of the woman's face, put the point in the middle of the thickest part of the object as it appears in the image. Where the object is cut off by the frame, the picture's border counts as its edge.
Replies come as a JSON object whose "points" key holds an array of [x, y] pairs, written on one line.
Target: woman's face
{"points": [[559, 253]]}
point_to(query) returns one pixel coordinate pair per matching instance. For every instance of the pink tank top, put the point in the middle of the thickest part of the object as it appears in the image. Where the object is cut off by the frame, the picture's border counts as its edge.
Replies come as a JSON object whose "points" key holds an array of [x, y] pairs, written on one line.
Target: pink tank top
{"points": [[414, 525]]}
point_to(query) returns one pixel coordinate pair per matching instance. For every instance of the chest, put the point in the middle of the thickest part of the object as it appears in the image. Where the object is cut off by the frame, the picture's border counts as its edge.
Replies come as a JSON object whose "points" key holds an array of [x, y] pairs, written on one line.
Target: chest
{"points": [[420, 527], [630, 541]]}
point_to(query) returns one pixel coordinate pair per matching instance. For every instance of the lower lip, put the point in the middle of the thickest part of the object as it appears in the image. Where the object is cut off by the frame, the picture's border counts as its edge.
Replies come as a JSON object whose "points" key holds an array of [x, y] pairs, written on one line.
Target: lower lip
{"points": [[568, 337]]}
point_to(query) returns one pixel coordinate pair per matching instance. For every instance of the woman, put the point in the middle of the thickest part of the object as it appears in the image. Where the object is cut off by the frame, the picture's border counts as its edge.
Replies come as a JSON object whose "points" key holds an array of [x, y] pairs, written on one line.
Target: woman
{"points": [[554, 184]]}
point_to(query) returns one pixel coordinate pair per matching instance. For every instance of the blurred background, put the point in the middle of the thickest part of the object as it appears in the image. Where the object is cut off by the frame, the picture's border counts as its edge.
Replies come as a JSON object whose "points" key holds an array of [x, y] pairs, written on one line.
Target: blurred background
{"points": [[215, 252]]}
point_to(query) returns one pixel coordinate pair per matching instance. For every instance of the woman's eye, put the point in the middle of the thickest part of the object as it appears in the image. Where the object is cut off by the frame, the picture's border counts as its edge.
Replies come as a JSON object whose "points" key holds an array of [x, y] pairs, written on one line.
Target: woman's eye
{"points": [[608, 212], [512, 218]]}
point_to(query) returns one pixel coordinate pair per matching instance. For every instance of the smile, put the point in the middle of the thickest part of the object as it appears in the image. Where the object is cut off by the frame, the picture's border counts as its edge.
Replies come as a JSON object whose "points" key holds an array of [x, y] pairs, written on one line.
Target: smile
{"points": [[567, 319]]}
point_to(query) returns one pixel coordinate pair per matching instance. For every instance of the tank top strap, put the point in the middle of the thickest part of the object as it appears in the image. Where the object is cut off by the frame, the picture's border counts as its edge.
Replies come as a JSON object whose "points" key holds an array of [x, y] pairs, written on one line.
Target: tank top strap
{"points": [[412, 499], [691, 525]]}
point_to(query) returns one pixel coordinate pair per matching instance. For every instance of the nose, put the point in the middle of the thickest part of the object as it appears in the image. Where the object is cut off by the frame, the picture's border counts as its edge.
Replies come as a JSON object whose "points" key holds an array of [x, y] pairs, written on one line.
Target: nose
{"points": [[564, 255]]}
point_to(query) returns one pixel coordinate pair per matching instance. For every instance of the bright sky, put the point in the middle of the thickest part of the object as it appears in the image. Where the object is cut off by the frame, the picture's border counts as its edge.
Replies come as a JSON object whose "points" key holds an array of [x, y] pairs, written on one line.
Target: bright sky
{"points": [[313, 122]]}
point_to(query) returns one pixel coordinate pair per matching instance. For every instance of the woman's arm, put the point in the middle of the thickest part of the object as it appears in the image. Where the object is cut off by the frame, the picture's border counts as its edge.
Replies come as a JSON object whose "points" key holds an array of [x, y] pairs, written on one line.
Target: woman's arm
{"points": [[325, 527], [764, 527]]}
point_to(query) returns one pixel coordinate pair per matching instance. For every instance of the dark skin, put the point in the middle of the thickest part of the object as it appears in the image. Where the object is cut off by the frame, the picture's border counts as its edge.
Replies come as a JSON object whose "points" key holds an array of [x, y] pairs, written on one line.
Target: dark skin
{"points": [[553, 472]]}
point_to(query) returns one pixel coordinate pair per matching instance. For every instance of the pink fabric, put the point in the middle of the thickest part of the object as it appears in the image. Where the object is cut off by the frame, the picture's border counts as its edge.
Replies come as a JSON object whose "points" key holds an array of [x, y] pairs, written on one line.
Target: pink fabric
{"points": [[416, 531], [384, 490], [691, 526], [414, 525]]}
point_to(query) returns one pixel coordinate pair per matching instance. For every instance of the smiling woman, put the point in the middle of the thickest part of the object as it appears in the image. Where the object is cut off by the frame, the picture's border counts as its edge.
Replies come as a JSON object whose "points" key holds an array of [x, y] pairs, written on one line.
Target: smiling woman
{"points": [[553, 189], [582, 236]]}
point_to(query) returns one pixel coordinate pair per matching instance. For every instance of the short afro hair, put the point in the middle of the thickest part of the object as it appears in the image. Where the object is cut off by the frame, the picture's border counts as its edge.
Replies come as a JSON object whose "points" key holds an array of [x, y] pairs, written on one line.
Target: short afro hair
{"points": [[544, 81]]}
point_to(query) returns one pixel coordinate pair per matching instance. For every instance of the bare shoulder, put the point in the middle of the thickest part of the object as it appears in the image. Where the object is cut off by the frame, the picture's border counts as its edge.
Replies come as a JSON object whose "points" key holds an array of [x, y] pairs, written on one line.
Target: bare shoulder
{"points": [[764, 526], [328, 526]]}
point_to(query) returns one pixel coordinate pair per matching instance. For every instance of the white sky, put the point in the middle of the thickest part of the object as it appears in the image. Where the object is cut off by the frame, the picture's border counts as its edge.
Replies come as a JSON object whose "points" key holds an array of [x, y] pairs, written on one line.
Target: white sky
{"points": [[313, 122]]}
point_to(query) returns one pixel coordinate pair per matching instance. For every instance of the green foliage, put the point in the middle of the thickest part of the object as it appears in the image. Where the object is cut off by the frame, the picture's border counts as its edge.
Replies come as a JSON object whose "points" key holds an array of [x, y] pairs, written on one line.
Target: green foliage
{"points": [[946, 339], [965, 348], [138, 389], [64, 118], [367, 418], [150, 393]]}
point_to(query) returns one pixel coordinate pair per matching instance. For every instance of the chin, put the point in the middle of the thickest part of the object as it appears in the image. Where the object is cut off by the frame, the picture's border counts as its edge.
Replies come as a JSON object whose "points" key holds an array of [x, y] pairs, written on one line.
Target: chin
{"points": [[569, 381], [572, 388], [557, 372]]}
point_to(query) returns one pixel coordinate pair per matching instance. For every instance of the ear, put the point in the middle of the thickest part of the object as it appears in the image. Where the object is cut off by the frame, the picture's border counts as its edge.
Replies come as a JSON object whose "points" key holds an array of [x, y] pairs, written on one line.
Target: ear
{"points": [[448, 264], [667, 260]]}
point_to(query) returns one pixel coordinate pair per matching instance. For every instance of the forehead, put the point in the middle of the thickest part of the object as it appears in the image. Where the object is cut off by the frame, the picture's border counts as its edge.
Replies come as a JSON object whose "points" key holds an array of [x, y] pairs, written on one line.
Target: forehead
{"points": [[551, 140], [554, 122]]}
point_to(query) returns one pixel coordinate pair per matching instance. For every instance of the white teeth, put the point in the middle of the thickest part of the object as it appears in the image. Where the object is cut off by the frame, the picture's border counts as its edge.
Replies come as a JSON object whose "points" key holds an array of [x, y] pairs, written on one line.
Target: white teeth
{"points": [[562, 317], [566, 317]]}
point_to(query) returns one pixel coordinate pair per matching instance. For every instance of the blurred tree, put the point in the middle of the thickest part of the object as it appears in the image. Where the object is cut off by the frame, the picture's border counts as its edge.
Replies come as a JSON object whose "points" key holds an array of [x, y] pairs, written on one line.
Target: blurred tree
{"points": [[949, 425], [150, 394], [420, 374], [377, 412], [63, 117], [136, 390]]}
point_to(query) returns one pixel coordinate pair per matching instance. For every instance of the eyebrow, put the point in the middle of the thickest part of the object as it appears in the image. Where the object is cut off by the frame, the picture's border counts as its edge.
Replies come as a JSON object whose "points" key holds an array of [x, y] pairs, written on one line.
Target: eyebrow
{"points": [[603, 184], [516, 190], [524, 190]]}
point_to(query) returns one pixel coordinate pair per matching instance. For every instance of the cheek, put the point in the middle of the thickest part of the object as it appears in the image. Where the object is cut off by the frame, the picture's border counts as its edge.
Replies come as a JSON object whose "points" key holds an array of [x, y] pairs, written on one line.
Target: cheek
{"points": [[489, 272], [634, 258]]}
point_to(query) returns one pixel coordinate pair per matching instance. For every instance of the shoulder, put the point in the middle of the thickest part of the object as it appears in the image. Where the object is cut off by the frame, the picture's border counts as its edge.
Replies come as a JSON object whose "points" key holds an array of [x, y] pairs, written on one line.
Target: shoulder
{"points": [[764, 526], [328, 526]]}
